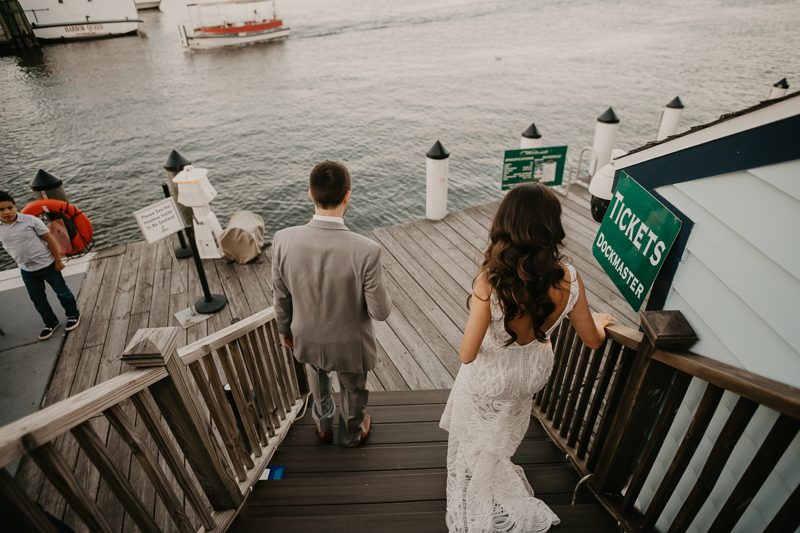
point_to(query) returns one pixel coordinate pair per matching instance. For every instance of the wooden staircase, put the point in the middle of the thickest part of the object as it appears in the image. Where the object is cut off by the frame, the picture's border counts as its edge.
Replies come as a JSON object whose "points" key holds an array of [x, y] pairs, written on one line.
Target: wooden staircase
{"points": [[396, 481]]}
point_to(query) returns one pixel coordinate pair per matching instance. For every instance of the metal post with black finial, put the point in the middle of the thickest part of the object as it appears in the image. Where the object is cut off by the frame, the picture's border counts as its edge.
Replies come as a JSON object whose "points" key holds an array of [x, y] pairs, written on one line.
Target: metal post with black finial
{"points": [[531, 138], [437, 175], [47, 186], [175, 163]]}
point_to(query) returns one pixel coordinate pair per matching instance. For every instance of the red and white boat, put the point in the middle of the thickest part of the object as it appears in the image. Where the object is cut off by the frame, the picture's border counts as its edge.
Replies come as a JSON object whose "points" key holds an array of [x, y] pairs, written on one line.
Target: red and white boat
{"points": [[236, 22]]}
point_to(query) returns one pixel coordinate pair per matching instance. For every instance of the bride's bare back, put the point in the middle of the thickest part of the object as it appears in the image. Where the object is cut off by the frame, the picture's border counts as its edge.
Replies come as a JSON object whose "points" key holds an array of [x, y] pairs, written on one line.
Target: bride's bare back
{"points": [[590, 327]]}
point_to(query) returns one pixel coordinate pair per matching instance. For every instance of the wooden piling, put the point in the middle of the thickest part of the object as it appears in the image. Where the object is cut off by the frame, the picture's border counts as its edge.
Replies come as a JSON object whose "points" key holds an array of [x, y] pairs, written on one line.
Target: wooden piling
{"points": [[15, 30]]}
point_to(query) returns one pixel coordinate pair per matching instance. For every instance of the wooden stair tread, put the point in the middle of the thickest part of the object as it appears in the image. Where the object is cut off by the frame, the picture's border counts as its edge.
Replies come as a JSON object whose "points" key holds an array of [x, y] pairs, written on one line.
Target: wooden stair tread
{"points": [[406, 397], [396, 456], [391, 413], [386, 487], [583, 518], [392, 433]]}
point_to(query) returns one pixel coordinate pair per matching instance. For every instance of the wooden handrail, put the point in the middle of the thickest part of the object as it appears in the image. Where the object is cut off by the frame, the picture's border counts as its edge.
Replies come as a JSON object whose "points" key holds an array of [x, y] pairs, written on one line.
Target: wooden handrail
{"points": [[633, 413], [768, 392], [187, 389], [18, 438], [194, 351], [626, 336]]}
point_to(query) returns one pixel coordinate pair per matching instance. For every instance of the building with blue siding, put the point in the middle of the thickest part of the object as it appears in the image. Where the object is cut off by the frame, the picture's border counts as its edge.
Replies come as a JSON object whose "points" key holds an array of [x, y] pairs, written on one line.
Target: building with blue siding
{"points": [[734, 273]]}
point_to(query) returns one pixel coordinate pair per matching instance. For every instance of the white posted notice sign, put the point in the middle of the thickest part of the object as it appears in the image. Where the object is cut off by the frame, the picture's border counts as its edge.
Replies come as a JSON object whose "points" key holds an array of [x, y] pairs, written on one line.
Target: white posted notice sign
{"points": [[159, 220]]}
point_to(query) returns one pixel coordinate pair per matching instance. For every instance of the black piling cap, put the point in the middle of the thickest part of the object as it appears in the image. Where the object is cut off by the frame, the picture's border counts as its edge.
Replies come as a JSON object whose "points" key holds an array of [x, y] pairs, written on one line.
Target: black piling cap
{"points": [[532, 132], [609, 117], [675, 103], [438, 151], [44, 181], [783, 84], [175, 161]]}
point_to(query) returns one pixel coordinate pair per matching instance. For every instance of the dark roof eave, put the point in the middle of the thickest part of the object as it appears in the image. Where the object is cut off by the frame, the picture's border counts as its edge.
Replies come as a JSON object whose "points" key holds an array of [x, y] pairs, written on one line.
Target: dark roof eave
{"points": [[721, 119]]}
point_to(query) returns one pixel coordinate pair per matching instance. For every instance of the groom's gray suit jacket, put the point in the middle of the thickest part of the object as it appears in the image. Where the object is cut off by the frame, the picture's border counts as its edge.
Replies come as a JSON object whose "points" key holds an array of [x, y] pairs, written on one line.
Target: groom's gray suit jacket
{"points": [[328, 286]]}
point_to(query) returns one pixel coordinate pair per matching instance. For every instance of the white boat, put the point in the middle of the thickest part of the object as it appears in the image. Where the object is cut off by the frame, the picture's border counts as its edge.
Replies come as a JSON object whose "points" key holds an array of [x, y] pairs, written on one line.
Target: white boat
{"points": [[238, 22], [74, 20], [147, 4]]}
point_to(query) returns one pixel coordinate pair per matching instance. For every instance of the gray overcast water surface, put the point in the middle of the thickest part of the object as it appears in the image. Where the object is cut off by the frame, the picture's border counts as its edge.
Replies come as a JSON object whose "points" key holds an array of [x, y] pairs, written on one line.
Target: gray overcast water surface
{"points": [[373, 84]]}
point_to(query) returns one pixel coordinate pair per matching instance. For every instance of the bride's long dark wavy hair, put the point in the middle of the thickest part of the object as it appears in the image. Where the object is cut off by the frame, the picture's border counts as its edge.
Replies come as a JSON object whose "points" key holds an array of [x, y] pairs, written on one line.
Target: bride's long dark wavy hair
{"points": [[523, 259]]}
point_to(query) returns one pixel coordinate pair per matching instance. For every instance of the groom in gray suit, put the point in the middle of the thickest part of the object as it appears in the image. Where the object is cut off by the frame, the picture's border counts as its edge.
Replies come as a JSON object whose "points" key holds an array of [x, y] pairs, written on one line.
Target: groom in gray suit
{"points": [[328, 285]]}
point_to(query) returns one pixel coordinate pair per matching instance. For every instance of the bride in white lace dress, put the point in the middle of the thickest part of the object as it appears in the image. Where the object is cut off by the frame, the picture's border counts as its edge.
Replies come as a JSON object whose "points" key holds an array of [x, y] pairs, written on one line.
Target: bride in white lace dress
{"points": [[521, 294]]}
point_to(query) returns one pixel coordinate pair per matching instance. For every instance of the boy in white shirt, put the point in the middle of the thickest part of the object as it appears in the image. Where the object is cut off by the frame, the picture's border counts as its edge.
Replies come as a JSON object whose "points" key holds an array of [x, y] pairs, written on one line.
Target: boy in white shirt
{"points": [[28, 241]]}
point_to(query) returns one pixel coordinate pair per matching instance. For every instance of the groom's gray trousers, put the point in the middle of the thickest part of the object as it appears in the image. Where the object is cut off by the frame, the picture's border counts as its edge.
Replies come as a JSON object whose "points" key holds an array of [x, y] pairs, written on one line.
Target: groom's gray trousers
{"points": [[353, 396]]}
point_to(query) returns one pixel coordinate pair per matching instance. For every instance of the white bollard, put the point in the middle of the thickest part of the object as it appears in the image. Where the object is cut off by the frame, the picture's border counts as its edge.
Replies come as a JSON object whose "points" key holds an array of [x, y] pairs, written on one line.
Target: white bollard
{"points": [[438, 174], [605, 134], [531, 138], [779, 89], [670, 118]]}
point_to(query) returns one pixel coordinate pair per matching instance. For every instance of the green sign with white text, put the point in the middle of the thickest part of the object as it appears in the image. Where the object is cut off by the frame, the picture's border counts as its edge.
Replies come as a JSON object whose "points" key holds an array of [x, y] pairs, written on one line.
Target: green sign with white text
{"points": [[633, 240], [528, 165]]}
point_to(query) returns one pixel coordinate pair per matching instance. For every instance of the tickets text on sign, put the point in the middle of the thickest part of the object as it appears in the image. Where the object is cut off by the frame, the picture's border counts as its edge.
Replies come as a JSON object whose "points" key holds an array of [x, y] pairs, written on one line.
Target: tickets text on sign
{"points": [[633, 240]]}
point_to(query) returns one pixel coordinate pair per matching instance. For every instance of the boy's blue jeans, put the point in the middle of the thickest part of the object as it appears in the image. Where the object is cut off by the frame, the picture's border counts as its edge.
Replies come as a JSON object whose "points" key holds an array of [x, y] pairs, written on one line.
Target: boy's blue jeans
{"points": [[34, 282]]}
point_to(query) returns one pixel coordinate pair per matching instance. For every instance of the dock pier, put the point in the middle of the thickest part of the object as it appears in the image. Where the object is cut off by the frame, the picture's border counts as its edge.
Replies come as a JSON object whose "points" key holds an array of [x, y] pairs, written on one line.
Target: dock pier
{"points": [[127, 366], [429, 267]]}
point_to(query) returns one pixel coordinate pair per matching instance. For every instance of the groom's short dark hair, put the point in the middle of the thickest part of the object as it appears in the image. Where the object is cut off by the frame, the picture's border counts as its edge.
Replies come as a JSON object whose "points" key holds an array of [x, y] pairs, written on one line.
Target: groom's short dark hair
{"points": [[329, 183]]}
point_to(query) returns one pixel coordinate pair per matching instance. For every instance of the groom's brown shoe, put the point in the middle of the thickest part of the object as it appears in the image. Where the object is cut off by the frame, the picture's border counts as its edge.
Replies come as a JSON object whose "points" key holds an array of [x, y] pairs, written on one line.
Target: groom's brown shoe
{"points": [[324, 438], [366, 425]]}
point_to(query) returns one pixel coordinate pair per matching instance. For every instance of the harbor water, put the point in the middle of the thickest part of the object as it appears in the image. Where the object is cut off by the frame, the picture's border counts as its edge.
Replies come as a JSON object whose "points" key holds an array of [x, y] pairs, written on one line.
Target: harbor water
{"points": [[373, 84]]}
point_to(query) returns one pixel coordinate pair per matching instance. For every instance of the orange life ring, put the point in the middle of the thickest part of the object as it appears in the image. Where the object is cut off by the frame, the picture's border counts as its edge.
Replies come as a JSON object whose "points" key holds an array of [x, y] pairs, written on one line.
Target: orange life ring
{"points": [[82, 223]]}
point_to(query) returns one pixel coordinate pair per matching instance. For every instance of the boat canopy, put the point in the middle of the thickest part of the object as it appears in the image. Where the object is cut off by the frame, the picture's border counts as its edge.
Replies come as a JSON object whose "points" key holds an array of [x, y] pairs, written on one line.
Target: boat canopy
{"points": [[229, 14]]}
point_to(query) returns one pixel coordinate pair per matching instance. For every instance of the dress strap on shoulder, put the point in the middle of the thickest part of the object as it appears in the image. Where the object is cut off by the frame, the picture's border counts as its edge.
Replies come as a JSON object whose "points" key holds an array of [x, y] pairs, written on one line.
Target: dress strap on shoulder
{"points": [[574, 288]]}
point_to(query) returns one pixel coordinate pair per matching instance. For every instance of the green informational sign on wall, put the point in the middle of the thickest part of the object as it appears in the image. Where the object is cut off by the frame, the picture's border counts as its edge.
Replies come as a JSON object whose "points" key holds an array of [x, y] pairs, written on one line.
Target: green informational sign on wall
{"points": [[634, 238], [528, 165]]}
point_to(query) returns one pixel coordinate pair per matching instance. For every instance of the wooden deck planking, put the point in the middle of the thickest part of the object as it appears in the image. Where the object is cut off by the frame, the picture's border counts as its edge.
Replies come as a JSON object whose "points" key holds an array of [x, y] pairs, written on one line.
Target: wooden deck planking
{"points": [[114, 343], [387, 373], [159, 317], [457, 240], [453, 268], [446, 352], [429, 266], [120, 331], [405, 364]]}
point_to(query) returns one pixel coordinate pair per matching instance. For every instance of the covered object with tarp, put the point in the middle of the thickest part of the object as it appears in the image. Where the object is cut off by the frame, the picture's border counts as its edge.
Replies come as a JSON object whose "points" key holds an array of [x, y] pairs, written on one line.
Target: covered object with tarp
{"points": [[243, 239]]}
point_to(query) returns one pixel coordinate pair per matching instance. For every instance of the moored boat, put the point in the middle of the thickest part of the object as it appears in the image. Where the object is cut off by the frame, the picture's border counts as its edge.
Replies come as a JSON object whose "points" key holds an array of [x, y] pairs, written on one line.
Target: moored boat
{"points": [[219, 24], [74, 20]]}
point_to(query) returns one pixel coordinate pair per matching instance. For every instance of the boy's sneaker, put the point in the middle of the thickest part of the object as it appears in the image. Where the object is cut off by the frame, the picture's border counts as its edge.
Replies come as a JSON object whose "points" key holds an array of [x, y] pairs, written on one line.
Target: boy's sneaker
{"points": [[72, 323], [48, 332]]}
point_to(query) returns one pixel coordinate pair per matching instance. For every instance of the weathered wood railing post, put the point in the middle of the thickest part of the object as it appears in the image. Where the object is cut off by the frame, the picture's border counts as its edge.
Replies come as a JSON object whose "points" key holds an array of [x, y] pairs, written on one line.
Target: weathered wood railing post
{"points": [[178, 402], [639, 405]]}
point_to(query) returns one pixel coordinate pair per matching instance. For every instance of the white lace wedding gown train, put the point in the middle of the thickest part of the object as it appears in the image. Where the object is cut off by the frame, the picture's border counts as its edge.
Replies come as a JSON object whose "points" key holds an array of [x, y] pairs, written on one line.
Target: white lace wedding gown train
{"points": [[487, 415]]}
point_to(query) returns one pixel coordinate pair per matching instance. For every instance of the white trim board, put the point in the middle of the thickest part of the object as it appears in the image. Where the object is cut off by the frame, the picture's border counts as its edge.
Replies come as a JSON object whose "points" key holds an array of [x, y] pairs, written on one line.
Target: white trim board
{"points": [[760, 117]]}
